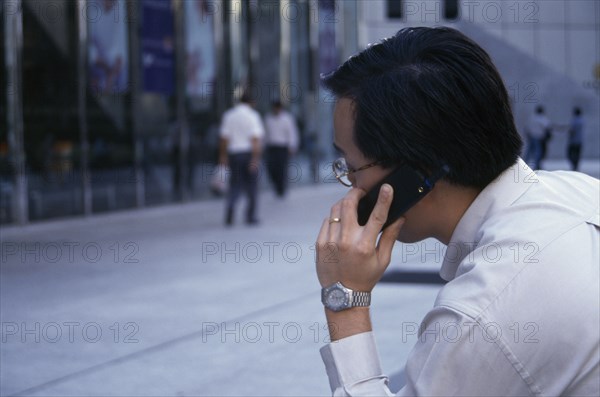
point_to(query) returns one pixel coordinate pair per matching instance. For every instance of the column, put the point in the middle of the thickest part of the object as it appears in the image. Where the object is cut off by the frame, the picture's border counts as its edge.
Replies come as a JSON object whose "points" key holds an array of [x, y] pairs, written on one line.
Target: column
{"points": [[14, 106]]}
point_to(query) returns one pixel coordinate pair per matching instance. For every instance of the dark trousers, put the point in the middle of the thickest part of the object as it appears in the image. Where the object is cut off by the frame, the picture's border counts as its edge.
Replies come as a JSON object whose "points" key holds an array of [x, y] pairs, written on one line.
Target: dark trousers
{"points": [[278, 157], [574, 153], [534, 152], [242, 178]]}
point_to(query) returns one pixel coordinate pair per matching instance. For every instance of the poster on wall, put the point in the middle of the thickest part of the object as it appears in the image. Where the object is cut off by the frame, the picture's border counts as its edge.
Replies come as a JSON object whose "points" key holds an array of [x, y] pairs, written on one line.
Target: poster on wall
{"points": [[328, 58], [108, 62], [200, 48], [158, 47]]}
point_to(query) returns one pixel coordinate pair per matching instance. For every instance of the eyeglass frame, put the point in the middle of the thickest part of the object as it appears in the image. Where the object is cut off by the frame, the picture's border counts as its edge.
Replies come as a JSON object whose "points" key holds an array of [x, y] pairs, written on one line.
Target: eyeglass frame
{"points": [[351, 171]]}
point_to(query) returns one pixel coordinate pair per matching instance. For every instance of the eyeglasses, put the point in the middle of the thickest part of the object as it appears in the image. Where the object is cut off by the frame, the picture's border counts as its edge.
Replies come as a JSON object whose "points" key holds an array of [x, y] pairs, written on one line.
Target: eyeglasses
{"points": [[341, 170]]}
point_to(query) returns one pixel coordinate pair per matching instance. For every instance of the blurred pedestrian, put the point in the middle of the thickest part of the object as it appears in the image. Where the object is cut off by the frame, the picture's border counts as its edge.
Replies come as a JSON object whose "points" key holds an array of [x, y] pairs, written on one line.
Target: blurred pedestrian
{"points": [[538, 126], [575, 138], [240, 148], [545, 140], [282, 143]]}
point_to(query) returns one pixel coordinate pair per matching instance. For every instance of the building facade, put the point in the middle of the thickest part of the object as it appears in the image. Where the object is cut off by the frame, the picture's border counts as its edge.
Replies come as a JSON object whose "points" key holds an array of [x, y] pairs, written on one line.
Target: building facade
{"points": [[115, 104], [548, 52]]}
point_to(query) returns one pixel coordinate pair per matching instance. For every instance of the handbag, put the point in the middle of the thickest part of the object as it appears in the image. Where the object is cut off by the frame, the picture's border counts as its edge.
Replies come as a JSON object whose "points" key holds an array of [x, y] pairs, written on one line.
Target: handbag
{"points": [[219, 180]]}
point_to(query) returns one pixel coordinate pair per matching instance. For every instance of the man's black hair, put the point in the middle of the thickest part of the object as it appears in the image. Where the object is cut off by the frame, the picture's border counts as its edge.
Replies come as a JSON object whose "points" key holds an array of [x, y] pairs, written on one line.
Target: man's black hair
{"points": [[577, 111], [429, 97]]}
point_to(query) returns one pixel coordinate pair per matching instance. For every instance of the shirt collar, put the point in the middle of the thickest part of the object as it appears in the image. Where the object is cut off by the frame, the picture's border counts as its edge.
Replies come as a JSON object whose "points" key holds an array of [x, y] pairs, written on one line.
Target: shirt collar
{"points": [[499, 194]]}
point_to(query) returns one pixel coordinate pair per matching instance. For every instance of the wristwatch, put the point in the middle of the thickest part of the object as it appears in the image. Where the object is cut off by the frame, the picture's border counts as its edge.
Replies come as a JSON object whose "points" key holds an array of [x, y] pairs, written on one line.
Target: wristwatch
{"points": [[336, 297]]}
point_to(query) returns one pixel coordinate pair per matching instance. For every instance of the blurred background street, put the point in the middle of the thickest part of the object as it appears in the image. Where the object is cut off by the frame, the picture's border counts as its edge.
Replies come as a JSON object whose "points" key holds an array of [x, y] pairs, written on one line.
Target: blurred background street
{"points": [[118, 276], [167, 301]]}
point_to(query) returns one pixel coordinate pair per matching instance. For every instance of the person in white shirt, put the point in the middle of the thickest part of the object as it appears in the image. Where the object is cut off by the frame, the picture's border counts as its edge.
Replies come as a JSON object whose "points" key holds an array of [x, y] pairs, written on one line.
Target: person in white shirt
{"points": [[519, 314], [240, 148], [281, 143], [538, 133]]}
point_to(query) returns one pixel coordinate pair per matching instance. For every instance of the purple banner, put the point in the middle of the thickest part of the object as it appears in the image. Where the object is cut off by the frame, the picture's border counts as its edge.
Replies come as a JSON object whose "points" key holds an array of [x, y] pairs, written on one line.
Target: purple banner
{"points": [[158, 47], [328, 57]]}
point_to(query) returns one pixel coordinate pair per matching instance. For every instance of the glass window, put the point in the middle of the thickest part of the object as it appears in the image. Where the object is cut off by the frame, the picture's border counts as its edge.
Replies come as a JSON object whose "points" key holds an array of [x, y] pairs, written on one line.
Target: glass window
{"points": [[51, 128]]}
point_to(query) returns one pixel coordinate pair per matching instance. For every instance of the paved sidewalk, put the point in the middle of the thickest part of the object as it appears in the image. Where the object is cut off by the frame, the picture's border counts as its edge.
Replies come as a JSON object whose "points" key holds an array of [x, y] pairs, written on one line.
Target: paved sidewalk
{"points": [[167, 301]]}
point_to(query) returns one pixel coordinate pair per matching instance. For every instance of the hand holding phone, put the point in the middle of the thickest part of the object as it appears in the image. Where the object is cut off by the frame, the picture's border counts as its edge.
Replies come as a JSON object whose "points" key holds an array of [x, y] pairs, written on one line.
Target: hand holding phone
{"points": [[410, 186]]}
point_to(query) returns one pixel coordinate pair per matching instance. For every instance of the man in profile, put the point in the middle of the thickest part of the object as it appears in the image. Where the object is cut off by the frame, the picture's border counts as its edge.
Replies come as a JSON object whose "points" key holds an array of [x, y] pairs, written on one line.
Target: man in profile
{"points": [[523, 255]]}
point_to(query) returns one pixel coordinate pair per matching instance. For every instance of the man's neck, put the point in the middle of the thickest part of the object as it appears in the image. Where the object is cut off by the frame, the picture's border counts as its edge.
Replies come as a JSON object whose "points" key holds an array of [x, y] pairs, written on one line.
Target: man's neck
{"points": [[453, 201]]}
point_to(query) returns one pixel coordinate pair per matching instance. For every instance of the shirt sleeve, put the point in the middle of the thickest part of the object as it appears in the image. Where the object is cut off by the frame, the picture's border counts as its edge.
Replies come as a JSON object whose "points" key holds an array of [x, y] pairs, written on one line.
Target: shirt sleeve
{"points": [[353, 367], [258, 130], [225, 130], [268, 124], [459, 355], [293, 131], [454, 356]]}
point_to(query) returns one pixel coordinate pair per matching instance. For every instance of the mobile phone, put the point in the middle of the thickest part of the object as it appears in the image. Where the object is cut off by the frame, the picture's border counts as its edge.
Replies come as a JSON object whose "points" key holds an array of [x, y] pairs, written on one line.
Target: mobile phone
{"points": [[410, 186]]}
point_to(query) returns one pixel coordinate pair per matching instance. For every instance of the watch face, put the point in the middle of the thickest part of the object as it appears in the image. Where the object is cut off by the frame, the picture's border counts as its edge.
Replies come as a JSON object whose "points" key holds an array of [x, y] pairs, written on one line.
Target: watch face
{"points": [[336, 299]]}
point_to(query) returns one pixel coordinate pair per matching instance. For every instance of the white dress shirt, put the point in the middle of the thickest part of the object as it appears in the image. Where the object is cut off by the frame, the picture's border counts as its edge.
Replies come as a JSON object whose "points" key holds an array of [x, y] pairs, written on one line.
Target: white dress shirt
{"points": [[537, 125], [520, 314], [281, 130], [239, 126]]}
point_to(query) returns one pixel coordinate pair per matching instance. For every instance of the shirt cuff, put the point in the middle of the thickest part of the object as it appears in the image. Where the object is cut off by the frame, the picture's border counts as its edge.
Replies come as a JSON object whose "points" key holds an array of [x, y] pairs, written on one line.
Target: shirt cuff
{"points": [[351, 360]]}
